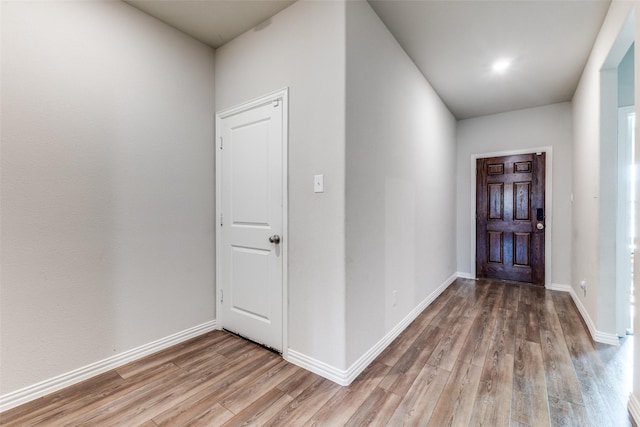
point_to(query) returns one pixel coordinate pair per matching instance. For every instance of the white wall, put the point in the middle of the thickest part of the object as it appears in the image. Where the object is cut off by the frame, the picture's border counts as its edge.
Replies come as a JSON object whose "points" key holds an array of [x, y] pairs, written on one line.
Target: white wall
{"points": [[107, 185], [400, 183], [548, 126], [303, 48], [592, 213], [587, 104]]}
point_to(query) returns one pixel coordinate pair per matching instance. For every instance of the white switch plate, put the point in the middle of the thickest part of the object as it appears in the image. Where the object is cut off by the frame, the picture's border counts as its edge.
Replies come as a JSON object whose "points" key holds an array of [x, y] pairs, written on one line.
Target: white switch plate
{"points": [[318, 184]]}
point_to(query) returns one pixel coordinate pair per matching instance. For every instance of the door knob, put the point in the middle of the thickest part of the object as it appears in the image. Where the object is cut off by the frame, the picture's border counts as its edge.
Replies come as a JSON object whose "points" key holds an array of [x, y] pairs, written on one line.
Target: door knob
{"points": [[274, 239]]}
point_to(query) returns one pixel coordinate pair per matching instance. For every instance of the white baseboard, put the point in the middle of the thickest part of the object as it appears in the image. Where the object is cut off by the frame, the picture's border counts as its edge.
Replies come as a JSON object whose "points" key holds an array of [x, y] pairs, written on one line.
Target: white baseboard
{"points": [[463, 275], [634, 408], [598, 336], [364, 361], [18, 397], [345, 377], [559, 287], [325, 370]]}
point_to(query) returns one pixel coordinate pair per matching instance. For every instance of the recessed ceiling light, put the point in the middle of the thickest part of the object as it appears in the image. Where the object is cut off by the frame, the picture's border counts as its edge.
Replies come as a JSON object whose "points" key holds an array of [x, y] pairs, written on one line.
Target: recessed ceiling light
{"points": [[501, 65]]}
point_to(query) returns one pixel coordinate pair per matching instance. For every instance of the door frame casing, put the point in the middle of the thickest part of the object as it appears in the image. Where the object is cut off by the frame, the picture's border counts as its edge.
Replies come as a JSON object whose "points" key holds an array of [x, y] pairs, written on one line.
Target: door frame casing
{"points": [[548, 206], [283, 96]]}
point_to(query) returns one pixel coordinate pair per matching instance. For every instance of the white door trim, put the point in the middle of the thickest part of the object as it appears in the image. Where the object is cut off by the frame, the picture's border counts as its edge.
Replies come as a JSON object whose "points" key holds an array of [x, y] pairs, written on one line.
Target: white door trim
{"points": [[547, 208], [281, 95]]}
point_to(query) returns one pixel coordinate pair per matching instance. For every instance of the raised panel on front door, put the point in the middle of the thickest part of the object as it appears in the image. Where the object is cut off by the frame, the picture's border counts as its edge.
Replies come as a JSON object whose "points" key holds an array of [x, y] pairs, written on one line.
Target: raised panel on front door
{"points": [[249, 282], [250, 174], [495, 245], [495, 169], [496, 201], [522, 201], [522, 167], [522, 249]]}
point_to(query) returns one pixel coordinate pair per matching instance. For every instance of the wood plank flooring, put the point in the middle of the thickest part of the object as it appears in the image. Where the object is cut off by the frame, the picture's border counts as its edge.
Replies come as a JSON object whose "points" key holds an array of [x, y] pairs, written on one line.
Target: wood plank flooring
{"points": [[483, 353]]}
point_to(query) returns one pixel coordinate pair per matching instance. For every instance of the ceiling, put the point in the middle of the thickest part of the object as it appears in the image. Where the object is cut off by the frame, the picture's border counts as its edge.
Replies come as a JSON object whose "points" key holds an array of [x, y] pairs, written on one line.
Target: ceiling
{"points": [[452, 42], [213, 22]]}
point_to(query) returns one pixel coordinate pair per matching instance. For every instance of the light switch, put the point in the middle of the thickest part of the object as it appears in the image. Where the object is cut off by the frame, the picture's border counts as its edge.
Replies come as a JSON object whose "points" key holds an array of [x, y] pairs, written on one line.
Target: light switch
{"points": [[318, 184]]}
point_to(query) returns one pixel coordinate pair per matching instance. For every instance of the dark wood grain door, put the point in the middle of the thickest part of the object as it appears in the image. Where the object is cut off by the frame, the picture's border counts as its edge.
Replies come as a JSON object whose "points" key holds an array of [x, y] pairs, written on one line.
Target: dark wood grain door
{"points": [[510, 224]]}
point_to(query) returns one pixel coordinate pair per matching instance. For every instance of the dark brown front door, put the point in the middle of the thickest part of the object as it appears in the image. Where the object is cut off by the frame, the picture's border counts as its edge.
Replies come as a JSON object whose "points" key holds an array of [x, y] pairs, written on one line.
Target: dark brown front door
{"points": [[510, 214]]}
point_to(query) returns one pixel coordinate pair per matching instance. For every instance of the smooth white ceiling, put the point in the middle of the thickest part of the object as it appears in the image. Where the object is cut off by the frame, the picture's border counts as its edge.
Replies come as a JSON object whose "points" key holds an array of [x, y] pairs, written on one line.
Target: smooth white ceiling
{"points": [[214, 22], [453, 42]]}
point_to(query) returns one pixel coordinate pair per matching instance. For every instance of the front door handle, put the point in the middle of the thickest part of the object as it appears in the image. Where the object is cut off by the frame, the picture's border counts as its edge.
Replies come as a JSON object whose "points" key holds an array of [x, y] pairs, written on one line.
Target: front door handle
{"points": [[540, 218], [274, 239]]}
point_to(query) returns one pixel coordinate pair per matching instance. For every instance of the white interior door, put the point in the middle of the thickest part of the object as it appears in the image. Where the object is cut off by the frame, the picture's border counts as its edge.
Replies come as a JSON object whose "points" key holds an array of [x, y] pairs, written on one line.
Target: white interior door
{"points": [[251, 219]]}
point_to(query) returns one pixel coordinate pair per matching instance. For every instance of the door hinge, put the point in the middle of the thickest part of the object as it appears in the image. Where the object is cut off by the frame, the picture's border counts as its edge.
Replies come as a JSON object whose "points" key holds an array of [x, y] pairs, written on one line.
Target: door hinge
{"points": [[221, 295], [221, 143], [276, 103], [221, 220]]}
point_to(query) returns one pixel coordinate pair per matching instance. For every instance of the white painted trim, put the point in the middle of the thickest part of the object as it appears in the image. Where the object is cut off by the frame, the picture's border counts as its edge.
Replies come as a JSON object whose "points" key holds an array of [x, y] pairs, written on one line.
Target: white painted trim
{"points": [[356, 368], [325, 370], [596, 335], [29, 393], [634, 408], [285, 221], [345, 377], [463, 275], [282, 95], [548, 208], [559, 287]]}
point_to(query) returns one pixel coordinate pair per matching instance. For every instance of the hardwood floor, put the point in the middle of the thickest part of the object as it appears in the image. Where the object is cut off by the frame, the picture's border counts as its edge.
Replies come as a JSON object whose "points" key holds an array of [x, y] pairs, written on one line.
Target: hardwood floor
{"points": [[483, 353]]}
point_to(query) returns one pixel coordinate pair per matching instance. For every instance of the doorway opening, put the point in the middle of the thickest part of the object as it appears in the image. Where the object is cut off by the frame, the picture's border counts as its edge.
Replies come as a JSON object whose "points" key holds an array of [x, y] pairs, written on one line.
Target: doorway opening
{"points": [[626, 229], [617, 199], [631, 123], [618, 178]]}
